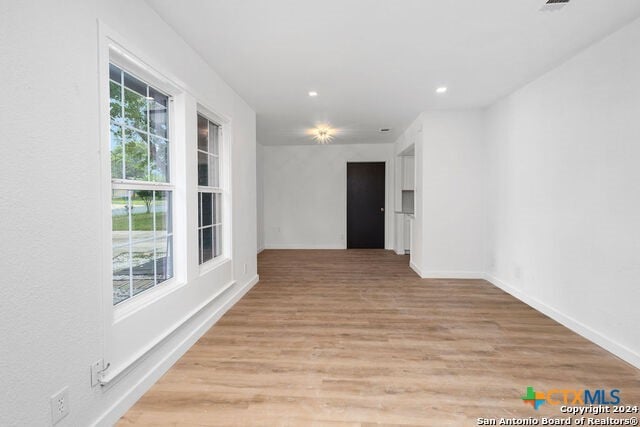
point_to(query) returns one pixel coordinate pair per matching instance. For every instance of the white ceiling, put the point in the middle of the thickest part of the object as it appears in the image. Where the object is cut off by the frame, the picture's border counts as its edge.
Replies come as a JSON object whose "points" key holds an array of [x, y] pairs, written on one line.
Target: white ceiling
{"points": [[377, 63]]}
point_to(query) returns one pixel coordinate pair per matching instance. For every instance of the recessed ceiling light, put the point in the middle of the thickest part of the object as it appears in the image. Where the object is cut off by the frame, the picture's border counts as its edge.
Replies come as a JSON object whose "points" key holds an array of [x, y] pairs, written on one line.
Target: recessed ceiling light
{"points": [[441, 89], [313, 93]]}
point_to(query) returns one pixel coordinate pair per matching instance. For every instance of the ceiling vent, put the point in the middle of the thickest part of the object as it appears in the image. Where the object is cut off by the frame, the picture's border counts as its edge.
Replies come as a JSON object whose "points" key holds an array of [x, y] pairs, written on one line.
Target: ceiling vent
{"points": [[553, 5]]}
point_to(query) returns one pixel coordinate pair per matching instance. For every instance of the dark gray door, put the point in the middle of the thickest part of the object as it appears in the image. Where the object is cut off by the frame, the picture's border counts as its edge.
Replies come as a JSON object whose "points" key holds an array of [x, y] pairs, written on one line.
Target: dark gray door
{"points": [[365, 205]]}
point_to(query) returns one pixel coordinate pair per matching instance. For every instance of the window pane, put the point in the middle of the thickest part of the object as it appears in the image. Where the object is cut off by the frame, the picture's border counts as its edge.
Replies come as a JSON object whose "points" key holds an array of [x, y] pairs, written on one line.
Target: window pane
{"points": [[200, 260], [115, 73], [203, 169], [142, 266], [214, 179], [120, 244], [134, 84], [120, 274], [217, 209], [163, 212], [142, 255], [203, 133], [207, 210], [135, 110], [116, 152], [213, 138], [141, 215], [217, 240], [120, 216], [159, 156], [199, 210], [115, 102], [136, 155], [164, 258], [207, 244], [158, 113]]}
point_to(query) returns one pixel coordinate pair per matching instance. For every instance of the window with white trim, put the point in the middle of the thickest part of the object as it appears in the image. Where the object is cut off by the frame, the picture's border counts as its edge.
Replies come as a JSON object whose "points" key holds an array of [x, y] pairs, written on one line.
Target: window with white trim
{"points": [[141, 200], [209, 190]]}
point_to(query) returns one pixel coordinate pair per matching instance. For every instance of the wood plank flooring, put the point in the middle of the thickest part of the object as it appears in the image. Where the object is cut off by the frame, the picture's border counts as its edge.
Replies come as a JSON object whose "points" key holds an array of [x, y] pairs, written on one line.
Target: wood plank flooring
{"points": [[355, 338]]}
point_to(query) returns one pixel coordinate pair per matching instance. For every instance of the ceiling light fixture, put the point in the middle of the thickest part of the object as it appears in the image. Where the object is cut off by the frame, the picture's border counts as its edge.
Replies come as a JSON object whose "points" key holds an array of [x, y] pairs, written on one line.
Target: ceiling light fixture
{"points": [[313, 93], [441, 89], [323, 134]]}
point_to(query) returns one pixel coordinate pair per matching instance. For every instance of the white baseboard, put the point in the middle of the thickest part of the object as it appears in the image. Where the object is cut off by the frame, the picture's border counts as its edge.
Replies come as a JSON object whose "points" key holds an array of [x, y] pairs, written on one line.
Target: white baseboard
{"points": [[309, 246], [131, 396], [444, 274], [260, 249], [435, 274], [399, 252], [576, 326], [304, 246], [415, 268]]}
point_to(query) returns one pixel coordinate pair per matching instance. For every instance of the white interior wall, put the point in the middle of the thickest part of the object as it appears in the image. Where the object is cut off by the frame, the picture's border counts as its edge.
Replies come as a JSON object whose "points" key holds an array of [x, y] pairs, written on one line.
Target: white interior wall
{"points": [[538, 193], [565, 194], [305, 193], [50, 298], [450, 218]]}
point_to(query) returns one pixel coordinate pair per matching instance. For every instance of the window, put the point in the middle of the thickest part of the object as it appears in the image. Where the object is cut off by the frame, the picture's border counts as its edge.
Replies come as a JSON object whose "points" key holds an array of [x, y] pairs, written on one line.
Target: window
{"points": [[141, 199], [209, 191]]}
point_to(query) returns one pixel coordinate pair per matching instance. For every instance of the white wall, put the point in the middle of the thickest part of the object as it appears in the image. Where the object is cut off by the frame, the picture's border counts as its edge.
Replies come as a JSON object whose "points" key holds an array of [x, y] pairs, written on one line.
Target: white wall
{"points": [[450, 216], [51, 320], [260, 190], [305, 193], [565, 193]]}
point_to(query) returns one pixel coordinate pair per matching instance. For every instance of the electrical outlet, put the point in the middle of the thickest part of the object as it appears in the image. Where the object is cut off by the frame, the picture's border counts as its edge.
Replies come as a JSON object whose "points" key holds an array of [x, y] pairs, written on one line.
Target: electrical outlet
{"points": [[60, 405]]}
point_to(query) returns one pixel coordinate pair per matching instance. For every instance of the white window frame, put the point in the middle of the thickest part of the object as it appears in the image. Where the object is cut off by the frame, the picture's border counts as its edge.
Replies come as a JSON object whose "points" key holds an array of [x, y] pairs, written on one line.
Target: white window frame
{"points": [[133, 65], [224, 187], [134, 185]]}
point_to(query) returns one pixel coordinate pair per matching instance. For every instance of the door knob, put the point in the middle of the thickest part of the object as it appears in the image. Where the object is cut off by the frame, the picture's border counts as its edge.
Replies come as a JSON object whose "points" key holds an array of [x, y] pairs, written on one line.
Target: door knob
{"points": [[381, 209]]}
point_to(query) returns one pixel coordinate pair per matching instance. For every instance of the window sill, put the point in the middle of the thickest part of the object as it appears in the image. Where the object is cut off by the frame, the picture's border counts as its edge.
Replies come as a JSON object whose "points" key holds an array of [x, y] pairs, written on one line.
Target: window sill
{"points": [[145, 299]]}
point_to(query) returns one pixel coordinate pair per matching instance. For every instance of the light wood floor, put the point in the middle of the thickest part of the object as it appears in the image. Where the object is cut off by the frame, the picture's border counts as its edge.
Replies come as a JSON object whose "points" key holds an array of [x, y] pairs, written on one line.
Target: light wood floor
{"points": [[355, 338]]}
